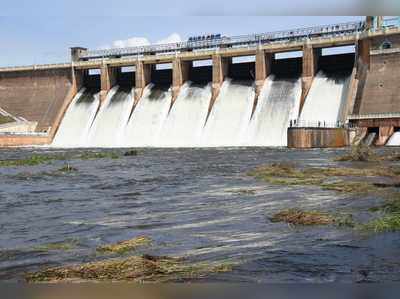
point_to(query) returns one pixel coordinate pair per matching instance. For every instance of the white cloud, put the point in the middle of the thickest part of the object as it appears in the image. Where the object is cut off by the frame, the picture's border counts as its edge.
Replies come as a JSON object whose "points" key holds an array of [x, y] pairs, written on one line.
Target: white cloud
{"points": [[141, 41], [131, 42], [173, 38]]}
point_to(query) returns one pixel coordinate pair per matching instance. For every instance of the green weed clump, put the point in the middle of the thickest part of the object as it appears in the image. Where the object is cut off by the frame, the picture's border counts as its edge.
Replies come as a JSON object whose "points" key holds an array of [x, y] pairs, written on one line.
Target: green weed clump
{"points": [[61, 246], [125, 246], [98, 155], [297, 216], [387, 223], [301, 217], [30, 161], [131, 153]]}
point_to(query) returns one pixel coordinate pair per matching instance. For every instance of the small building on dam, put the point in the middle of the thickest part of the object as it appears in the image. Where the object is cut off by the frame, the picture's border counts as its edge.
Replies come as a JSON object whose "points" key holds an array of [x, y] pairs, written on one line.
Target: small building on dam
{"points": [[324, 86]]}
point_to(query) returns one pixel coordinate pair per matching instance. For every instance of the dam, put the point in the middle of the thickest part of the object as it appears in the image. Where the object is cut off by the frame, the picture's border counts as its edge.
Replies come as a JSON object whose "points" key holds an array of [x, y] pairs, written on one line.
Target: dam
{"points": [[287, 88]]}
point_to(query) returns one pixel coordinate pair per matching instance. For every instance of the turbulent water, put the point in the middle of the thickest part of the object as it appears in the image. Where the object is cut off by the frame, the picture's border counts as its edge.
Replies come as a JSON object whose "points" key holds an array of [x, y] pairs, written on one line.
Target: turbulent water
{"points": [[145, 124], [325, 100], [157, 122], [277, 104], [394, 139], [184, 125], [75, 126], [195, 203], [108, 126], [230, 115]]}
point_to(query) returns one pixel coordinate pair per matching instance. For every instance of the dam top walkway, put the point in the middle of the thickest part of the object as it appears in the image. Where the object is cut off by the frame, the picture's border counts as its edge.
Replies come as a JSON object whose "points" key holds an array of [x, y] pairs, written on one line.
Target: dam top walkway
{"points": [[279, 41]]}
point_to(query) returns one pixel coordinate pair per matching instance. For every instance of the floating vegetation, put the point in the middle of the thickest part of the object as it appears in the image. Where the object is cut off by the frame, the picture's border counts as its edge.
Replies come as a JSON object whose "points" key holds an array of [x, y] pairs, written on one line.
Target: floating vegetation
{"points": [[288, 174], [31, 161], [144, 268], [357, 187], [131, 153], [67, 168], [98, 155], [243, 191], [301, 217], [125, 246], [66, 245]]}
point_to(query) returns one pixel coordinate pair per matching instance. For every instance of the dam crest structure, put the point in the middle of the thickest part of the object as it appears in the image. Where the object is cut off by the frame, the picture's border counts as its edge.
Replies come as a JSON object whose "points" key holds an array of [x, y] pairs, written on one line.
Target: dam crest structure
{"points": [[287, 88]]}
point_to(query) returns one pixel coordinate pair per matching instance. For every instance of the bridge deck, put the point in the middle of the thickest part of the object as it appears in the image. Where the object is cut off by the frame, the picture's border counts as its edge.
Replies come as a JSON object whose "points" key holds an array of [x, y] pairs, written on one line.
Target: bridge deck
{"points": [[244, 49]]}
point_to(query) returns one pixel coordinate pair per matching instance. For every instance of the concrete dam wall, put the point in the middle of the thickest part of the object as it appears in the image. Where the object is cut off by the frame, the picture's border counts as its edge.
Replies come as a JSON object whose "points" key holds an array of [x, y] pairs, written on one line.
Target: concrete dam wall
{"points": [[36, 95], [212, 97]]}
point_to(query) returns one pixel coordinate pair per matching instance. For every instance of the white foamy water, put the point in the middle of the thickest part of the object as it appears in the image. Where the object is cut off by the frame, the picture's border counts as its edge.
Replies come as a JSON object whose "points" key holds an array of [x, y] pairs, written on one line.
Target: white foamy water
{"points": [[230, 115], [394, 139], [325, 100], [184, 124], [277, 104], [108, 126], [144, 126], [74, 128]]}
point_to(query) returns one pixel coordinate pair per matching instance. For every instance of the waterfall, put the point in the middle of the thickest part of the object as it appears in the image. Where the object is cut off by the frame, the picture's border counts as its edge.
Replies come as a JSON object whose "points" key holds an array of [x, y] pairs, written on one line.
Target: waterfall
{"points": [[184, 124], [145, 124], [394, 139], [154, 122], [75, 126], [230, 115], [109, 124], [325, 100], [277, 104]]}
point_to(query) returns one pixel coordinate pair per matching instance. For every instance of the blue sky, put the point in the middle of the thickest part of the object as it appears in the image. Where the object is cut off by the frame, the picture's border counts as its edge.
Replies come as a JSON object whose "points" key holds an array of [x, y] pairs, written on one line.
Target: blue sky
{"points": [[33, 40]]}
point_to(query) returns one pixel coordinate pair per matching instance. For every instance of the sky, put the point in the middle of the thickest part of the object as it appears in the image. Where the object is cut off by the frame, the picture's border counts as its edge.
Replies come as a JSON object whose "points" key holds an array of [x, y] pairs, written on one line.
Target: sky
{"points": [[42, 31], [31, 40]]}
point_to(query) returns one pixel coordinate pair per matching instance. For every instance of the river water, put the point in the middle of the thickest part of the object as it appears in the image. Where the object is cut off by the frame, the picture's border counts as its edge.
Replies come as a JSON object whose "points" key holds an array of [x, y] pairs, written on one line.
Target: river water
{"points": [[191, 203]]}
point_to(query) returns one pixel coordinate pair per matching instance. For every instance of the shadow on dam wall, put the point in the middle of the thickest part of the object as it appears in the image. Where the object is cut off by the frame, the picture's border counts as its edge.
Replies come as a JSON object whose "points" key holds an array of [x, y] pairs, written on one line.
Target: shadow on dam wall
{"points": [[287, 68], [336, 65], [201, 75], [126, 79], [92, 82], [243, 71]]}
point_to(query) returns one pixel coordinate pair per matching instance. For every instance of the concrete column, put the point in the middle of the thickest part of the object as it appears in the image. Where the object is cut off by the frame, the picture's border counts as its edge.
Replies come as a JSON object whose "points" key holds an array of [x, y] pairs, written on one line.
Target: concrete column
{"points": [[219, 72], [180, 74], [310, 66], [263, 68], [108, 77], [142, 78], [363, 53], [77, 79], [385, 133]]}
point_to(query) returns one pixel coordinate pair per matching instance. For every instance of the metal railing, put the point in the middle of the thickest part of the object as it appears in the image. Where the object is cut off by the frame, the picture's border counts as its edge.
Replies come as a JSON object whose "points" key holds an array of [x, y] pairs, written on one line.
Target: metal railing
{"points": [[334, 30], [374, 116], [43, 134], [393, 22], [299, 123]]}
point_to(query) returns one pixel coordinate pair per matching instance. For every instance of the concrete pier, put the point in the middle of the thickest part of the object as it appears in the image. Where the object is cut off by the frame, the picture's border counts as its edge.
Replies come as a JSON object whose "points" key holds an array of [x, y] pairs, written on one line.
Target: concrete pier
{"points": [[142, 78], [220, 71], [310, 63], [108, 78], [180, 74]]}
